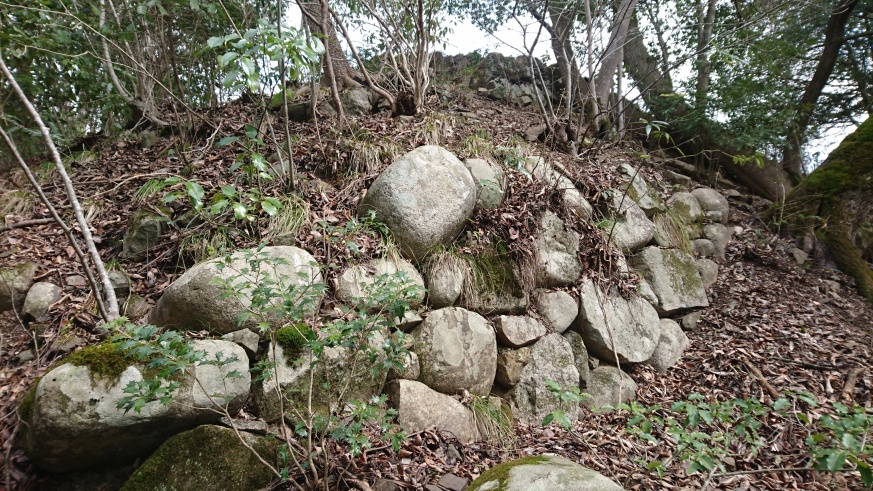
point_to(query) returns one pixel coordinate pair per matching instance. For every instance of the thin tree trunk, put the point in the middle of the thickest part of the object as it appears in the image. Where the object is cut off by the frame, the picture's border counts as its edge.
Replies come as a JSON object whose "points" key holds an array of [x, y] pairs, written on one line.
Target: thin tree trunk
{"points": [[316, 14], [835, 32], [612, 54], [111, 303], [703, 66]]}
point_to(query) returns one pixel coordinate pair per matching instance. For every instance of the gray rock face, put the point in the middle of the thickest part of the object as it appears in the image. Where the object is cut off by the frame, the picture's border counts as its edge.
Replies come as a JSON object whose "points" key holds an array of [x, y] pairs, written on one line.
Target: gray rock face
{"points": [[608, 385], [74, 424], [489, 181], [207, 457], [509, 301], [689, 321], [558, 309], [515, 331], [40, 296], [645, 197], [708, 271], [685, 206], [144, 229], [356, 102], [420, 407], [674, 277], [714, 205], [335, 369], [703, 247], [580, 353], [510, 363], [14, 284], [720, 237], [611, 326], [425, 197], [246, 338], [551, 358], [355, 284], [630, 228], [676, 178], [542, 473], [670, 347], [120, 283], [445, 278], [555, 250], [194, 301], [457, 349]]}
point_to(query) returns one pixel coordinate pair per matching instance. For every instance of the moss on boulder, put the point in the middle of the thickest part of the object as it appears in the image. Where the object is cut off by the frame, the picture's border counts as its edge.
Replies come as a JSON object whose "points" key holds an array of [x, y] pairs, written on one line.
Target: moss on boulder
{"points": [[834, 203], [207, 457]]}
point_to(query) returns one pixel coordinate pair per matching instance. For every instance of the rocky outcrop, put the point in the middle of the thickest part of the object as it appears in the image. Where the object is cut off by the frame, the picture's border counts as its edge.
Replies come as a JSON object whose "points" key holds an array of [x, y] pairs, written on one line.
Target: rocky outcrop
{"points": [[643, 194], [425, 197], [547, 472], [551, 358], [555, 181], [73, 422], [673, 276], [457, 350], [612, 326], [14, 284], [419, 407], [194, 301], [510, 363]]}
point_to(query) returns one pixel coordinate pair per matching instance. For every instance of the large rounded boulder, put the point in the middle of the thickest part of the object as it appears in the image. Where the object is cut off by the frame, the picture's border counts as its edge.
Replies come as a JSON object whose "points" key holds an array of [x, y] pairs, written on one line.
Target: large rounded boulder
{"points": [[197, 301], [542, 473], [425, 197], [72, 420], [457, 350]]}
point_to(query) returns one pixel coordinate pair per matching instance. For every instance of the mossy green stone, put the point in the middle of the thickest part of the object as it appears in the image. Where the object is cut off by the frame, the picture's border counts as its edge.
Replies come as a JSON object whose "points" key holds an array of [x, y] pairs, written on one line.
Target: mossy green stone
{"points": [[292, 339], [207, 457], [500, 472]]}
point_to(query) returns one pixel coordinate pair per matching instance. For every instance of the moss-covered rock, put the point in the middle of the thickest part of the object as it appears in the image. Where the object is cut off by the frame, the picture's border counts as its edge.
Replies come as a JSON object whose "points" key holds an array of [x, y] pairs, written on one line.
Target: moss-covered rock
{"points": [[550, 472], [207, 457], [833, 205], [144, 229]]}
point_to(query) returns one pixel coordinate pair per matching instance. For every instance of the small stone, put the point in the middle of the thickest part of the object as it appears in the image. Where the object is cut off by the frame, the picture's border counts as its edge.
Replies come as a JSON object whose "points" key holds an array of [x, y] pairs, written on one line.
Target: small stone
{"points": [[559, 309], [510, 363], [77, 281], [135, 307], [453, 482], [246, 338], [517, 331], [252, 426], [25, 356], [689, 321], [39, 298], [799, 255]]}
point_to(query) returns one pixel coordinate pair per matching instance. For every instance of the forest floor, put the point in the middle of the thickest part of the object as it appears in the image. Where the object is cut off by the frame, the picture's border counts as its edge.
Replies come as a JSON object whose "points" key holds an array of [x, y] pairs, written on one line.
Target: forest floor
{"points": [[791, 324]]}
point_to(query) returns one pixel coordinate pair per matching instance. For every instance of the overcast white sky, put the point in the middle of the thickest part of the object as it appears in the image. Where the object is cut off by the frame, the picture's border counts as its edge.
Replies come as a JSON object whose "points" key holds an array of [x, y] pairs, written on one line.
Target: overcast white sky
{"points": [[510, 39]]}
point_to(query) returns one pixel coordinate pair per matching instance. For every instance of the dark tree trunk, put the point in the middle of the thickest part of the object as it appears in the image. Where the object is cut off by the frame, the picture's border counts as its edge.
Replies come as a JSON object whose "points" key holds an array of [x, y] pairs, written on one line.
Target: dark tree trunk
{"points": [[835, 32], [342, 70]]}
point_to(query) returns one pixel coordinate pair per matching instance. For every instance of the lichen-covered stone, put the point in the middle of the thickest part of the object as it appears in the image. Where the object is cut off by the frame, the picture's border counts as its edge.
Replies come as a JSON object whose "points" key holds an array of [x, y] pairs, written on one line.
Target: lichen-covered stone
{"points": [[612, 326], [714, 205], [39, 298], [144, 229], [194, 301], [580, 354], [457, 350], [73, 422], [637, 188], [420, 407], [551, 358], [489, 181], [708, 271], [558, 309], [674, 277], [445, 278], [685, 206], [542, 473], [555, 251], [609, 386], [510, 363], [720, 237], [355, 284], [207, 457], [516, 331], [628, 228], [671, 345], [425, 198]]}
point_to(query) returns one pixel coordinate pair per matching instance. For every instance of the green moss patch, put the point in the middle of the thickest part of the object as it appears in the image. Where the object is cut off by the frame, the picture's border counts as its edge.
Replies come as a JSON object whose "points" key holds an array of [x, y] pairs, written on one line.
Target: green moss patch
{"points": [[207, 457], [500, 473], [292, 339], [104, 359]]}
